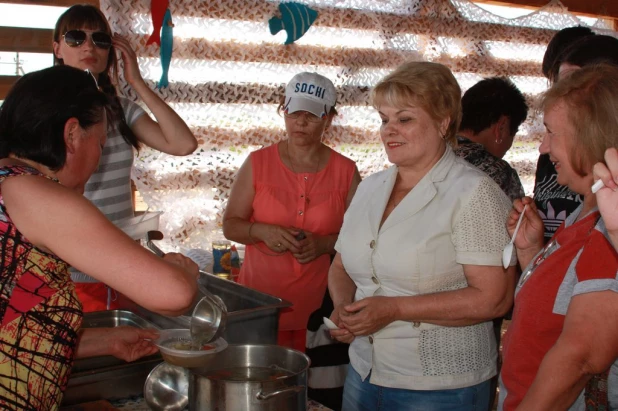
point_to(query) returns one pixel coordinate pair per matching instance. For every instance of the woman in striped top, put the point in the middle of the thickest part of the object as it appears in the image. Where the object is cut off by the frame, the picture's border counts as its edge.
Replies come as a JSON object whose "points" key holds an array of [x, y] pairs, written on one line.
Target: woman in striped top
{"points": [[83, 39]]}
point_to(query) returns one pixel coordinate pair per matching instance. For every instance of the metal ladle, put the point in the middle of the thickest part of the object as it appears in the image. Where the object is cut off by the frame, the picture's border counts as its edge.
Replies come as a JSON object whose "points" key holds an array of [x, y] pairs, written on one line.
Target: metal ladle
{"points": [[210, 313], [208, 320]]}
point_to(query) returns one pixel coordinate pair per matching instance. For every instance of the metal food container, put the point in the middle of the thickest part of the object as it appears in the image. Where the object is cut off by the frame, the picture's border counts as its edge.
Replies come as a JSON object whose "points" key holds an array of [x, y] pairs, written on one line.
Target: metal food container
{"points": [[106, 376], [251, 378], [252, 316]]}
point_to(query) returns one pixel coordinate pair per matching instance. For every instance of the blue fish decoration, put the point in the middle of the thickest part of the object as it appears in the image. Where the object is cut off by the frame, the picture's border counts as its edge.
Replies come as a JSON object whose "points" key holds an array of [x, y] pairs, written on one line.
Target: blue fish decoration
{"points": [[295, 19], [167, 44]]}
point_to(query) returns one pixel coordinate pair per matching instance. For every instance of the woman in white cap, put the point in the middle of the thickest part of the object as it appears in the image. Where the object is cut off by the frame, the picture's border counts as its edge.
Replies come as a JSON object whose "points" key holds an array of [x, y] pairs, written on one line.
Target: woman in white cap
{"points": [[287, 206]]}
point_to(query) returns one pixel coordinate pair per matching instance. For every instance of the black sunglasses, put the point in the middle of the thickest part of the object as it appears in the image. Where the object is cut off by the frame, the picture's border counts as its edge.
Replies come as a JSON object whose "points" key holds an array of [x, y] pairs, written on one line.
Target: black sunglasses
{"points": [[75, 38]]}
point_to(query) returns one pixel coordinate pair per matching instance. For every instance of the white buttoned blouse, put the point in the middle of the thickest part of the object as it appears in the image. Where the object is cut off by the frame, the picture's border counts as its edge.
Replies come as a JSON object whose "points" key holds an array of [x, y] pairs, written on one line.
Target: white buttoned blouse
{"points": [[455, 215]]}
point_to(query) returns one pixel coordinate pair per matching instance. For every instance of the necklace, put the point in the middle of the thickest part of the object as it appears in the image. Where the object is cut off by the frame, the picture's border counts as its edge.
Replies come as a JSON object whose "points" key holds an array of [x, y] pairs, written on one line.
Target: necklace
{"points": [[552, 246], [317, 167]]}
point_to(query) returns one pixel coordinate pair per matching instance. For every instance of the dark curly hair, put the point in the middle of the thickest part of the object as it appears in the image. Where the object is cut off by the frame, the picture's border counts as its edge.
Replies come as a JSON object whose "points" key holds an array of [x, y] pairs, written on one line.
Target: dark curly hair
{"points": [[485, 102], [36, 109]]}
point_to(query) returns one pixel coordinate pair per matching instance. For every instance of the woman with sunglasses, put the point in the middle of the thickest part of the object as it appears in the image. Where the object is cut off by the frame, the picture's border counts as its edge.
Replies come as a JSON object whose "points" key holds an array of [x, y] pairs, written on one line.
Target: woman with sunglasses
{"points": [[563, 339], [287, 205], [53, 126], [83, 39]]}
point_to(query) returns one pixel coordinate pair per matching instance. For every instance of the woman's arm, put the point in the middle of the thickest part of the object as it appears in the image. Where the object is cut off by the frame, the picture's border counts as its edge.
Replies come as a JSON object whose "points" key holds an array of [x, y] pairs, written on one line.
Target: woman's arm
{"points": [[66, 224], [489, 295], [126, 343], [607, 196], [236, 224], [169, 134], [342, 290], [588, 345]]}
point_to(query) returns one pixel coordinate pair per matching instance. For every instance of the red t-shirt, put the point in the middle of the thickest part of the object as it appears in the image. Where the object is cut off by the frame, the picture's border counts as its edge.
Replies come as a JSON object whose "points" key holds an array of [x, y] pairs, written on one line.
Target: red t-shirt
{"points": [[582, 261]]}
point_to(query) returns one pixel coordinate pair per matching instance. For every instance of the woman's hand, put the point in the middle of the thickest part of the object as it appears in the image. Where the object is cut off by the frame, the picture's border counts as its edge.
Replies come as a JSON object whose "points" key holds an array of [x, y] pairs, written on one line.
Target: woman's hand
{"points": [[342, 334], [277, 238], [369, 315], [126, 343], [131, 69], [183, 262], [530, 234], [130, 343], [311, 247], [607, 197]]}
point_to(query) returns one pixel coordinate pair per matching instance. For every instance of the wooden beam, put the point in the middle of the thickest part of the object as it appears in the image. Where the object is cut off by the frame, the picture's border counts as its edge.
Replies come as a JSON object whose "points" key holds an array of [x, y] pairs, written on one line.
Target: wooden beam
{"points": [[26, 40], [6, 82], [592, 8], [55, 3]]}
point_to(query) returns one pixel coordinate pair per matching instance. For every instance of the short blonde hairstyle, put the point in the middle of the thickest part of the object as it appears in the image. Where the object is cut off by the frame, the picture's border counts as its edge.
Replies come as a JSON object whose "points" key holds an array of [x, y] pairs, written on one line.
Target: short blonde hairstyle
{"points": [[591, 97], [431, 86]]}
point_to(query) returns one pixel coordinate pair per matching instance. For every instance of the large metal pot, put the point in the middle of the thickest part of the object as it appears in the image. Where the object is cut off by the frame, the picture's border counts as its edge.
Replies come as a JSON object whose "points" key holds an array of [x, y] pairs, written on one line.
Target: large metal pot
{"points": [[251, 378]]}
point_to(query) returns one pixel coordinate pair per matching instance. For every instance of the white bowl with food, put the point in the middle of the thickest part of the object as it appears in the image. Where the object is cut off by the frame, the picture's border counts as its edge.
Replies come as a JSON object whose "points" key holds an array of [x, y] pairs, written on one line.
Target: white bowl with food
{"points": [[176, 348]]}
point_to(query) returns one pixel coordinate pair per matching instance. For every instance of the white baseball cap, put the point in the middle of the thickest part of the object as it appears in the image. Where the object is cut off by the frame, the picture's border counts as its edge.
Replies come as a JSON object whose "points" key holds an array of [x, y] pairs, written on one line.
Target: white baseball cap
{"points": [[310, 92]]}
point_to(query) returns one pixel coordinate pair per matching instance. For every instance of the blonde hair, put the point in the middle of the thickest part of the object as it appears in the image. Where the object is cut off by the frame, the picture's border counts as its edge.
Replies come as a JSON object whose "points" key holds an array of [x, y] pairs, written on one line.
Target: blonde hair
{"points": [[432, 86], [591, 98]]}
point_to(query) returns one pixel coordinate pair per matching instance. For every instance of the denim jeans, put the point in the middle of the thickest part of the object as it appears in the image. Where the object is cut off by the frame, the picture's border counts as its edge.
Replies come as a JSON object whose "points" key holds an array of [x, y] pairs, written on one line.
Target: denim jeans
{"points": [[361, 395]]}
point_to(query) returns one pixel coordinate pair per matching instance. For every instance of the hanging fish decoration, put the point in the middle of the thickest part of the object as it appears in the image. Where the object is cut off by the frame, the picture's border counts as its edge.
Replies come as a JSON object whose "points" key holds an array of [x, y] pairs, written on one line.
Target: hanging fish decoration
{"points": [[157, 11], [295, 19], [165, 51]]}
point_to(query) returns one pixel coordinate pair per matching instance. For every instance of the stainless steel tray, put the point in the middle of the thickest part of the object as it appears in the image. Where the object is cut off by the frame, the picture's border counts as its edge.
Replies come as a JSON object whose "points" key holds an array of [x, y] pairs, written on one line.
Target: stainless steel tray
{"points": [[253, 316], [111, 383], [115, 318], [107, 377], [111, 318]]}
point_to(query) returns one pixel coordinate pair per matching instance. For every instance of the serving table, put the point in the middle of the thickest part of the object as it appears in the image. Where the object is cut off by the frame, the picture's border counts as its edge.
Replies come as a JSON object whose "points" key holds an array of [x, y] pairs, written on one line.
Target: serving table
{"points": [[139, 404], [106, 383]]}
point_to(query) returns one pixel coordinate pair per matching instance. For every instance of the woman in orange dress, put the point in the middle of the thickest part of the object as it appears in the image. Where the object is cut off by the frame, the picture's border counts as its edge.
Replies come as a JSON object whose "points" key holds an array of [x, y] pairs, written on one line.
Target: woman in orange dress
{"points": [[287, 206]]}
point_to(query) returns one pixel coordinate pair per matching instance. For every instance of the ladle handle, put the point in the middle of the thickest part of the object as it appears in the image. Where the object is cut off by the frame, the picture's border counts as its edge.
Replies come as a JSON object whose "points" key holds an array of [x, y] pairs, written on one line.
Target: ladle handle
{"points": [[219, 301], [264, 397]]}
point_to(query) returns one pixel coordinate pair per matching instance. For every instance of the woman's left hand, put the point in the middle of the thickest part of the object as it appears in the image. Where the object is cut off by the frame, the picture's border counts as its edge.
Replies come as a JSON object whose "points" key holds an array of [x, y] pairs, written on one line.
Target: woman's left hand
{"points": [[369, 315], [131, 69], [310, 248], [607, 196], [130, 343]]}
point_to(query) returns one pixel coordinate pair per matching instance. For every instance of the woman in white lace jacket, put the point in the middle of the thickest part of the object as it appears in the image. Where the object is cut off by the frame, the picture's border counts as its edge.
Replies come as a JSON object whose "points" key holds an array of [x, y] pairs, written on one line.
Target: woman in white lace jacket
{"points": [[418, 275]]}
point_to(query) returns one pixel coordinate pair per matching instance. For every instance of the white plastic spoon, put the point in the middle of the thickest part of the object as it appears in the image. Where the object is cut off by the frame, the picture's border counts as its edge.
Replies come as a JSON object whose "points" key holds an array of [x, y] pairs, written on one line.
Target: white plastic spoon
{"points": [[329, 324], [507, 253], [597, 186]]}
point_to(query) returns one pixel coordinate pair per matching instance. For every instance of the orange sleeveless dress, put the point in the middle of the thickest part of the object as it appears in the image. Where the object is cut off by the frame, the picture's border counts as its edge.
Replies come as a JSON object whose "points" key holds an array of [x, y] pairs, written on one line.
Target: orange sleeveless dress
{"points": [[313, 202]]}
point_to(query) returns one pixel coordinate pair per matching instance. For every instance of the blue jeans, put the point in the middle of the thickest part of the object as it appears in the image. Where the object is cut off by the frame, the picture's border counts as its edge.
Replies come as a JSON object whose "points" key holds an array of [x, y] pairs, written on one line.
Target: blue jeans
{"points": [[361, 395]]}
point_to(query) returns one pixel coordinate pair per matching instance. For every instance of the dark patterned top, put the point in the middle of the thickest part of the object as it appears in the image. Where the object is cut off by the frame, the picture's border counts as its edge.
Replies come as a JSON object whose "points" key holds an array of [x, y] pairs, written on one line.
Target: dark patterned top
{"points": [[40, 315], [553, 201], [496, 168]]}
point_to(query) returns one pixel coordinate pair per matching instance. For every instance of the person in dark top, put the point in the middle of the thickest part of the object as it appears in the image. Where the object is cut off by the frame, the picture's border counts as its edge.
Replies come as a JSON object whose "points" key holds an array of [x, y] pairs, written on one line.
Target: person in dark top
{"points": [[556, 202], [329, 359], [493, 109]]}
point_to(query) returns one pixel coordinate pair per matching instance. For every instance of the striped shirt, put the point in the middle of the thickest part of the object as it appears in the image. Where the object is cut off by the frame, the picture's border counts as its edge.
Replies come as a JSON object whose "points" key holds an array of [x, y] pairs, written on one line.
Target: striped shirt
{"points": [[109, 188]]}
